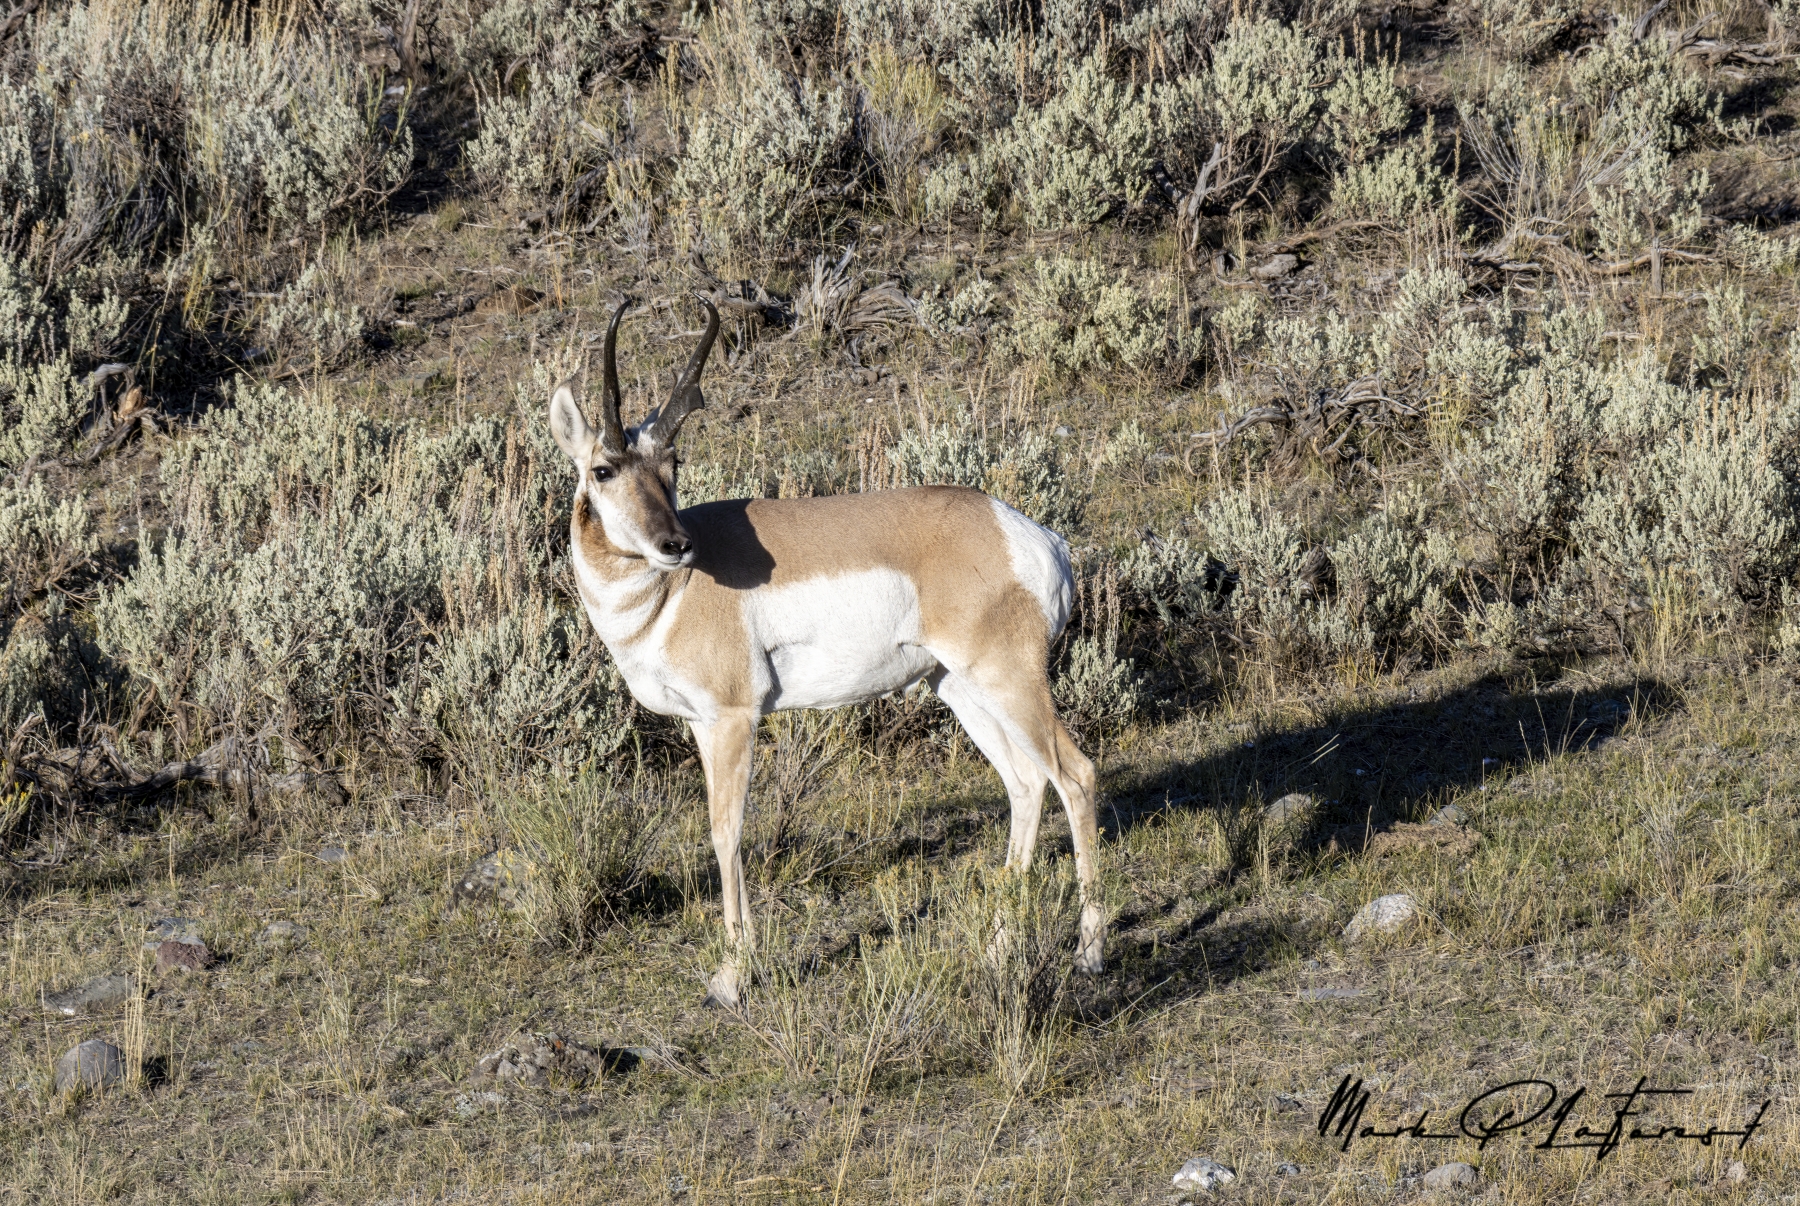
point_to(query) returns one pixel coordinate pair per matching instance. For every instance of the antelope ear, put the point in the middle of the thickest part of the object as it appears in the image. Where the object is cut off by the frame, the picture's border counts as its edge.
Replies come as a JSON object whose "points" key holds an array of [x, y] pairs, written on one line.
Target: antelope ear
{"points": [[569, 425]]}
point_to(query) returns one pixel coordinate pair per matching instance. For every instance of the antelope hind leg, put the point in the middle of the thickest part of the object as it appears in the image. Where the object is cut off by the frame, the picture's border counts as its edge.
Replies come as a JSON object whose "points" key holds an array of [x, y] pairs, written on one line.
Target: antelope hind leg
{"points": [[1026, 766]]}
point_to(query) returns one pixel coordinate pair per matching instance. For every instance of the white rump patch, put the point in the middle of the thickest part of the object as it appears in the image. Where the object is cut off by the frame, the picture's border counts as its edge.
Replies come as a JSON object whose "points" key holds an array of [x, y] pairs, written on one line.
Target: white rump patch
{"points": [[1040, 563]]}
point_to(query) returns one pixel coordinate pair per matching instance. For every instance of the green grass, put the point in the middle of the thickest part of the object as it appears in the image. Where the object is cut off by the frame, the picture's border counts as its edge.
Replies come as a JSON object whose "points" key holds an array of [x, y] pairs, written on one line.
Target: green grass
{"points": [[1625, 912]]}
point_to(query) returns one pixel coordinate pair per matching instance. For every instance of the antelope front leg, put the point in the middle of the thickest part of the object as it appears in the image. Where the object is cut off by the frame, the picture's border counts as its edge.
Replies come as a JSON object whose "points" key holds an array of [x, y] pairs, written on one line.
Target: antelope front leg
{"points": [[726, 748]]}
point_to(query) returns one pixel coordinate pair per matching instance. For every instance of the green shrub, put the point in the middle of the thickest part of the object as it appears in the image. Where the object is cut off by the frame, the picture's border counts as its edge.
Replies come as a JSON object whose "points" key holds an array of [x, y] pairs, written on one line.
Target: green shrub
{"points": [[1649, 84], [1363, 107], [1699, 484], [1649, 202], [144, 153], [42, 669], [1260, 99], [1378, 589], [42, 540], [1082, 154], [1072, 315], [1518, 29], [1398, 190], [754, 162], [311, 323], [1023, 468], [334, 576], [531, 146]]}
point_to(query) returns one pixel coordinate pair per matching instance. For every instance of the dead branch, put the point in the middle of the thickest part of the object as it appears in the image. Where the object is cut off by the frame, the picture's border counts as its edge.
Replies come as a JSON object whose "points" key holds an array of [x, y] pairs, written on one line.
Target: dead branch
{"points": [[15, 20], [1642, 27], [1278, 246], [1326, 421], [1648, 259], [233, 766]]}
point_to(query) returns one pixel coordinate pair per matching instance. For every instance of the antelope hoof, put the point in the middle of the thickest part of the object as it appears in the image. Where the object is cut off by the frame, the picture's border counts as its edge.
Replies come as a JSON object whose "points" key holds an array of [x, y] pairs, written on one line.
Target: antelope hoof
{"points": [[722, 989], [1089, 956]]}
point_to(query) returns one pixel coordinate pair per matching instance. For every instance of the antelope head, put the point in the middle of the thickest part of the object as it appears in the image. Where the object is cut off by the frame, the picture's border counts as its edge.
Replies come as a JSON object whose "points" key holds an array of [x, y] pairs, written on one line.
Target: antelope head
{"points": [[627, 476]]}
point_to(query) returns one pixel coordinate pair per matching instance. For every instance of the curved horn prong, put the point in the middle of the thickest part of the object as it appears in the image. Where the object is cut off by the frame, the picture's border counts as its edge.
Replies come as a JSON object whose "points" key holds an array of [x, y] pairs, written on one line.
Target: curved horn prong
{"points": [[612, 427], [686, 397]]}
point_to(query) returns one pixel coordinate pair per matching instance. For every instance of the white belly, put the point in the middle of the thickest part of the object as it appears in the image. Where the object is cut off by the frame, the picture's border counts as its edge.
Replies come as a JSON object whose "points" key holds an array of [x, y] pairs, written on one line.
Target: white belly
{"points": [[836, 641]]}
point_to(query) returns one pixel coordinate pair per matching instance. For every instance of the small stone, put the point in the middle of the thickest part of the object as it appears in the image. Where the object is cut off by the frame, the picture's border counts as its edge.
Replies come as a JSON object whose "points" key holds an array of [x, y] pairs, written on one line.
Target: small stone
{"points": [[102, 992], [1383, 915], [1294, 807], [1329, 994], [1277, 266], [184, 957], [1201, 1175], [1445, 1176], [1449, 814], [1735, 1171], [95, 1063], [283, 935], [1287, 1170], [171, 929], [538, 1058], [333, 854]]}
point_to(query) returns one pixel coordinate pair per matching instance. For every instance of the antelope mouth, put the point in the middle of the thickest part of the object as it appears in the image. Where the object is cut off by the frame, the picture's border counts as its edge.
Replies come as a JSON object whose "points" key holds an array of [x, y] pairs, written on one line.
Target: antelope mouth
{"points": [[669, 564]]}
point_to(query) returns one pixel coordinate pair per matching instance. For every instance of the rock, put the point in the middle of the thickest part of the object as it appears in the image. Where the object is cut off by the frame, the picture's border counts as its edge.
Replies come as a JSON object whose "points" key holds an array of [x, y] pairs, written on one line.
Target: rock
{"points": [[1735, 1171], [1277, 266], [102, 992], [504, 877], [1383, 915], [283, 935], [1287, 1170], [1446, 1176], [333, 854], [470, 1104], [1292, 808], [184, 957], [1201, 1175], [538, 1058], [95, 1063], [1329, 994], [171, 929], [1449, 814]]}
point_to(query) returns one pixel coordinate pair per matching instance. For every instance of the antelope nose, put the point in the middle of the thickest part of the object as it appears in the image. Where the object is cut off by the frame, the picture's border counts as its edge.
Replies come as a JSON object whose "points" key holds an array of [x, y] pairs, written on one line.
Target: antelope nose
{"points": [[677, 546]]}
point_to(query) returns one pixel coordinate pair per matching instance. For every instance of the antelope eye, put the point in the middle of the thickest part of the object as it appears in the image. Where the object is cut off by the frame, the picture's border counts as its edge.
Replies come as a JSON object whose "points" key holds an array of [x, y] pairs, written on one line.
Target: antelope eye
{"points": [[603, 473]]}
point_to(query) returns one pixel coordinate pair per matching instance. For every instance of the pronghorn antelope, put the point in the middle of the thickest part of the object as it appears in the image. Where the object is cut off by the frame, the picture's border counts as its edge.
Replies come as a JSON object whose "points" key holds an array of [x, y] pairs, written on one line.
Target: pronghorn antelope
{"points": [[725, 612]]}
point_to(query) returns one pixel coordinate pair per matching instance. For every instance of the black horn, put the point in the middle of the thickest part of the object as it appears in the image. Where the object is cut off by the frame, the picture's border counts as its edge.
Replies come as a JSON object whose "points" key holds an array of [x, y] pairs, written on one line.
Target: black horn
{"points": [[612, 428], [687, 398]]}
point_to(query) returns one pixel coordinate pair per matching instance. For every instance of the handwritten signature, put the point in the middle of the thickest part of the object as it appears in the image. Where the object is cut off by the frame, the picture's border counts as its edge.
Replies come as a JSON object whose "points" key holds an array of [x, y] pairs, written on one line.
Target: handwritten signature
{"points": [[1518, 1104]]}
